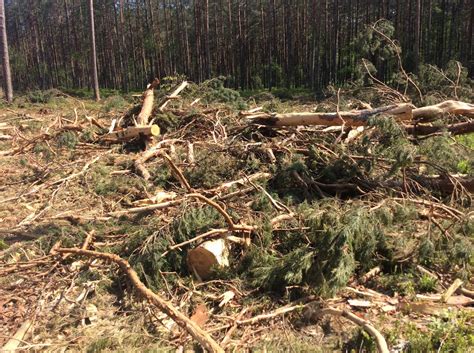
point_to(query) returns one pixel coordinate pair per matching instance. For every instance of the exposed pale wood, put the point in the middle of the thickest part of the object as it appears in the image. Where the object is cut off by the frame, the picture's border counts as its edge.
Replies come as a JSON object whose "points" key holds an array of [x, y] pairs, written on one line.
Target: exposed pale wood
{"points": [[402, 112], [147, 106], [206, 341], [13, 343], [210, 254], [451, 290], [447, 107], [173, 95], [132, 132]]}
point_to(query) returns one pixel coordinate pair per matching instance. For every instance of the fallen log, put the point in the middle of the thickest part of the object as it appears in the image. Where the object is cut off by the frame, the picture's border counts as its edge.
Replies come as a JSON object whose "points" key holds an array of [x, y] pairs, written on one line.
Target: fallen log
{"points": [[402, 112], [147, 107], [439, 110], [131, 133], [206, 341], [454, 129], [351, 118]]}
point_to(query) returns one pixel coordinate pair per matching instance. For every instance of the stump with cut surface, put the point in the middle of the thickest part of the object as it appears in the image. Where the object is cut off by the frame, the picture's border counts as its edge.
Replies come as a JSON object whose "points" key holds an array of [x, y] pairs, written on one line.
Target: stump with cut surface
{"points": [[207, 256]]}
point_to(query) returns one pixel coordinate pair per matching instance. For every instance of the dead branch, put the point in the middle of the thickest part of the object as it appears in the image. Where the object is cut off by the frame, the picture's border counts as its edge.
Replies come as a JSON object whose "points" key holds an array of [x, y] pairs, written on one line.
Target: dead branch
{"points": [[439, 110], [367, 326], [183, 321], [173, 95], [402, 112], [178, 172], [454, 129]]}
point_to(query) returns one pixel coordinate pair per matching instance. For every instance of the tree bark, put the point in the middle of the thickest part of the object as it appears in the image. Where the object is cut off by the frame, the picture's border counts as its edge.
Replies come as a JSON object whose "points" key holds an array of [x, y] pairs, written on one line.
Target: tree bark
{"points": [[95, 76], [7, 77]]}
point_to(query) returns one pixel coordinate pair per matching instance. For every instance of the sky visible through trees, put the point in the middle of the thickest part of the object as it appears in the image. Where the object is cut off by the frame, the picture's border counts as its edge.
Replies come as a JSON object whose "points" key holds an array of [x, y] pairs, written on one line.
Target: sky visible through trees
{"points": [[254, 43]]}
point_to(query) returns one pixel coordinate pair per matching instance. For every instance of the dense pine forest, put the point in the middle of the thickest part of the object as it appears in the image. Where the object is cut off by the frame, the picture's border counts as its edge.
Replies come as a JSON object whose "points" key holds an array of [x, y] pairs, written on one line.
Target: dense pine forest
{"points": [[253, 43]]}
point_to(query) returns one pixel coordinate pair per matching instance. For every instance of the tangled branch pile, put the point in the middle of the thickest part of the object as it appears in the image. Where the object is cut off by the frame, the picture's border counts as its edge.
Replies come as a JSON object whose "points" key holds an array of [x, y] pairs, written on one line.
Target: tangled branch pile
{"points": [[225, 210]]}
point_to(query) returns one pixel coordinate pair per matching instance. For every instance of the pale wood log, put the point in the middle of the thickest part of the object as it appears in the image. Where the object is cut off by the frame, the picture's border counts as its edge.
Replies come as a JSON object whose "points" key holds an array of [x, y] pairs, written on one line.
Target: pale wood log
{"points": [[173, 95], [402, 112], [147, 107], [206, 341], [131, 133], [447, 107]]}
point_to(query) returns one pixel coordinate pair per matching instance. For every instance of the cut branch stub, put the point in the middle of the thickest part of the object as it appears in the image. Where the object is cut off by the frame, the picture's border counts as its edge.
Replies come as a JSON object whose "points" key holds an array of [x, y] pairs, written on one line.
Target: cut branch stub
{"points": [[207, 256]]}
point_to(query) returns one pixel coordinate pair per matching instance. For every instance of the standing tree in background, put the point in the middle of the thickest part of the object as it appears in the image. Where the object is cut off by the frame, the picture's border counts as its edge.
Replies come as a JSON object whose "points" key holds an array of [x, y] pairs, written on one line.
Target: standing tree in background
{"points": [[5, 58], [94, 55]]}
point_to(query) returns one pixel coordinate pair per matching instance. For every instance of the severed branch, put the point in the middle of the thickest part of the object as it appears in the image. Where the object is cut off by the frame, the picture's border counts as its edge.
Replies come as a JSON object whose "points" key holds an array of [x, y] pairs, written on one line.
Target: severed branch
{"points": [[130, 133], [350, 118], [367, 326], [173, 95], [206, 341], [402, 112]]}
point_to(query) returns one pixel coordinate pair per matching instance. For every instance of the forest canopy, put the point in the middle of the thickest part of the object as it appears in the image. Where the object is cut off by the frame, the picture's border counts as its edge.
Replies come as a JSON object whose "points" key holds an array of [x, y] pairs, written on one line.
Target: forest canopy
{"points": [[255, 44]]}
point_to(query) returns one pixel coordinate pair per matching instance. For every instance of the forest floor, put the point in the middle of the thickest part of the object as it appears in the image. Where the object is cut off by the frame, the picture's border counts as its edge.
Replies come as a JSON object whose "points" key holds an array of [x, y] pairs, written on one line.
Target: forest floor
{"points": [[338, 221]]}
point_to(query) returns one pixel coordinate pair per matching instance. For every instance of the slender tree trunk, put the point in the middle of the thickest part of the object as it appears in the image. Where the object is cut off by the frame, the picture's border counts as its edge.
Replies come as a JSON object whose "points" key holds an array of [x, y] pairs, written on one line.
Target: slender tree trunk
{"points": [[7, 77], [417, 35], [94, 54]]}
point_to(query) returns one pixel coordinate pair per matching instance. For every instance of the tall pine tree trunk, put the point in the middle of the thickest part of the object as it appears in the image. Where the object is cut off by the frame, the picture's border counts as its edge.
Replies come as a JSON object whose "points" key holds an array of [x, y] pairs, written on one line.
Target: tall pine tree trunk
{"points": [[94, 54], [5, 58]]}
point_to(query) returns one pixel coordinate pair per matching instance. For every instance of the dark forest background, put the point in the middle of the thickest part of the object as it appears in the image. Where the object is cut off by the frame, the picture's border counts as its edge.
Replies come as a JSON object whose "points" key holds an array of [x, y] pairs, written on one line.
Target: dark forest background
{"points": [[254, 43]]}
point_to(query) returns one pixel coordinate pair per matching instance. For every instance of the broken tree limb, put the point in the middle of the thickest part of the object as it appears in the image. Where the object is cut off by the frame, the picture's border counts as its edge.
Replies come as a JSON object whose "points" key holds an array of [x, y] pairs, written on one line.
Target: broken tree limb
{"points": [[206, 341], [173, 95], [367, 326], [147, 106], [436, 111], [454, 129], [132, 132], [402, 112], [351, 118]]}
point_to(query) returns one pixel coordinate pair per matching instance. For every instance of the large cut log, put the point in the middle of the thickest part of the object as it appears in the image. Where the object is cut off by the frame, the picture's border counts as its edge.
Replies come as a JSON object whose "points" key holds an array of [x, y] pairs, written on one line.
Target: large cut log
{"points": [[402, 112], [439, 110], [454, 129], [132, 132], [207, 256], [147, 107]]}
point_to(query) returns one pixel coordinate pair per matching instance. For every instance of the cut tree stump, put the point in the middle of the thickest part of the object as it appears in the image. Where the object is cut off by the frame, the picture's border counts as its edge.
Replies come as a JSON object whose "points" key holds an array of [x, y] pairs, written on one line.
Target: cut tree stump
{"points": [[210, 254]]}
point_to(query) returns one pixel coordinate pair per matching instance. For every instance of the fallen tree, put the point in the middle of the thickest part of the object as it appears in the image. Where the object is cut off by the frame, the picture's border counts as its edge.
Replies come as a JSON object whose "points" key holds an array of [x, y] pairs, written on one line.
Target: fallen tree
{"points": [[401, 112]]}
